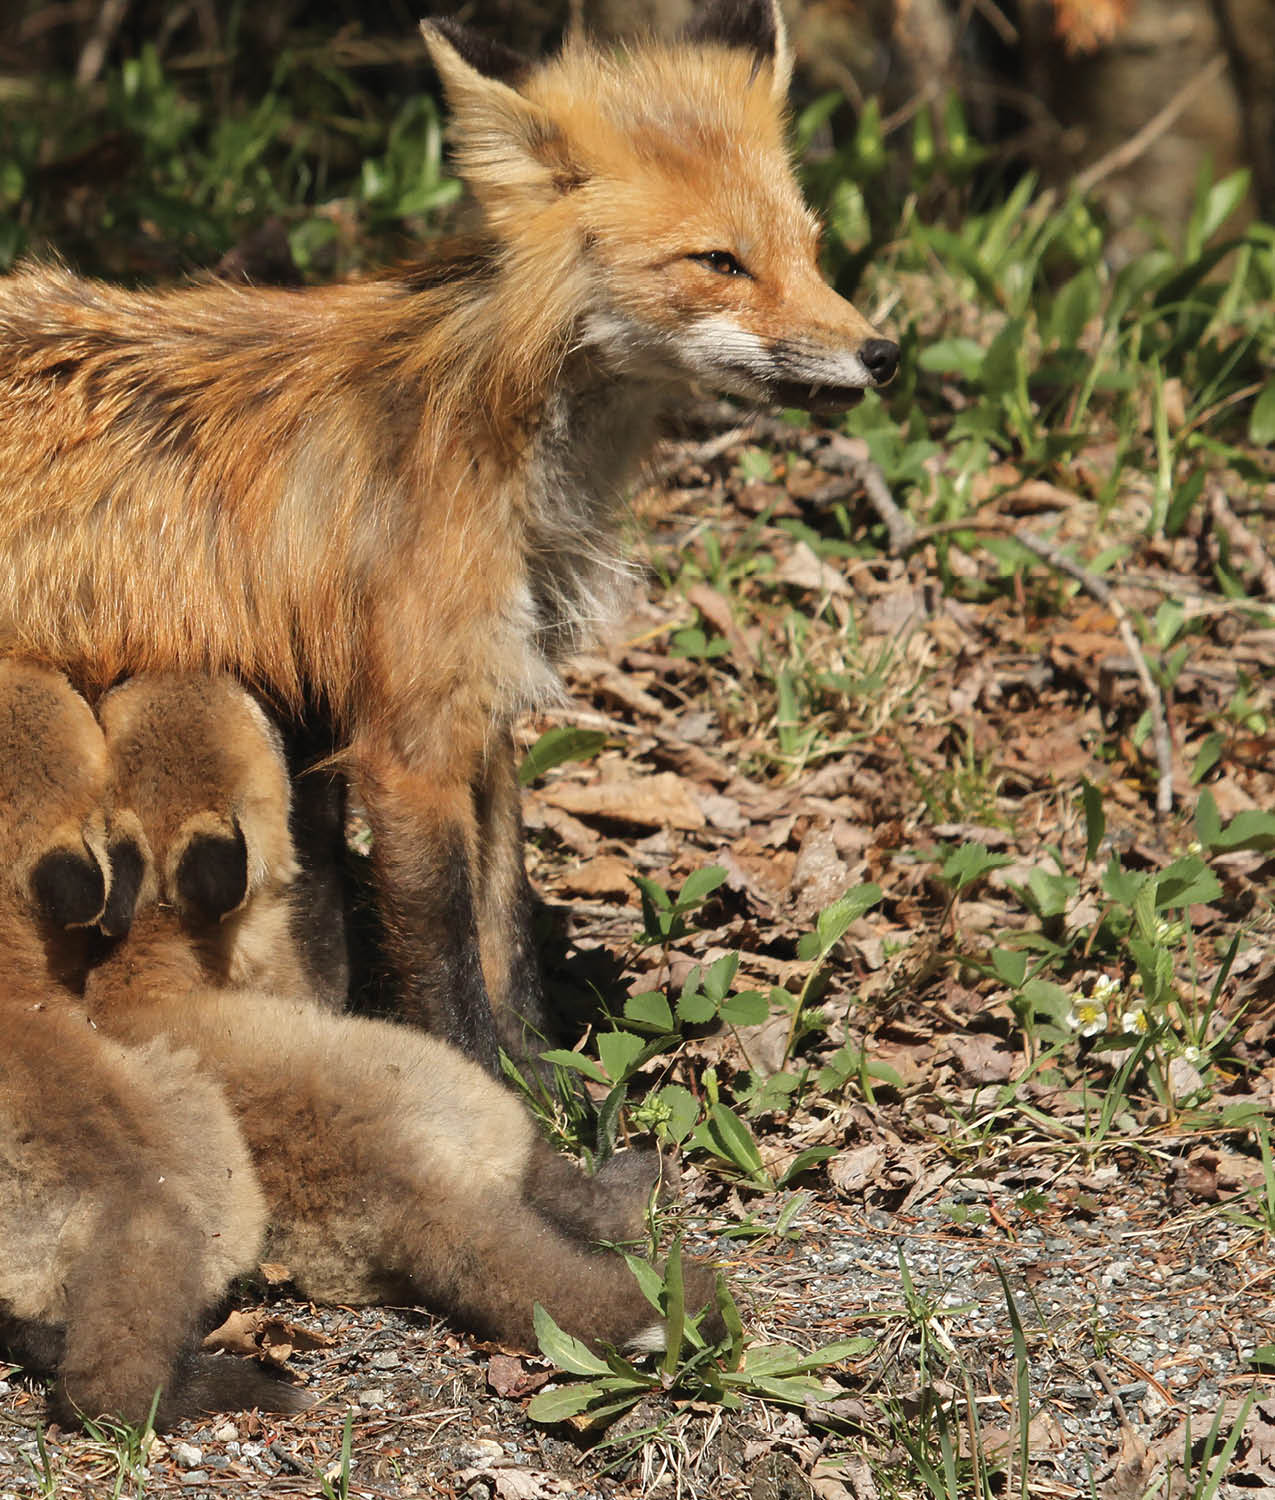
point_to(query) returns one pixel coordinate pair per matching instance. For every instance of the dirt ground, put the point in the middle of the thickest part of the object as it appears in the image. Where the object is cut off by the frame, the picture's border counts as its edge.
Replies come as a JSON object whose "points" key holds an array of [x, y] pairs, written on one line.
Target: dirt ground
{"points": [[968, 1204]]}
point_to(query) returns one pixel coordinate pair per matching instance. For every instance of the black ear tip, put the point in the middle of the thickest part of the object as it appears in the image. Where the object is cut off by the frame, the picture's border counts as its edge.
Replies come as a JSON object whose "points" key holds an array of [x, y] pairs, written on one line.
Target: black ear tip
{"points": [[746, 24], [69, 888], [492, 59], [128, 865], [212, 875]]}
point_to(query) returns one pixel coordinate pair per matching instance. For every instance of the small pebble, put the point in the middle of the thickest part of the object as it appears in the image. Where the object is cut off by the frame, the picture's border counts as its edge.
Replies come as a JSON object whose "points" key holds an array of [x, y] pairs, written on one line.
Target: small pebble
{"points": [[186, 1455], [385, 1360], [193, 1476], [480, 1451]]}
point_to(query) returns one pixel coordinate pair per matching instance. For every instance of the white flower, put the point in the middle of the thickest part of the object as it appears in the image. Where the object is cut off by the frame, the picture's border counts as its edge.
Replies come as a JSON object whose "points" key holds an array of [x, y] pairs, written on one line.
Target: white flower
{"points": [[1087, 1018], [1135, 1019]]}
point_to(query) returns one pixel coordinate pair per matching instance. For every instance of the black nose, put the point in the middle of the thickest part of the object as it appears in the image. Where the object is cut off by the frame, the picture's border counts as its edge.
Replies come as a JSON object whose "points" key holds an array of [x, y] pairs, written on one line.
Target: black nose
{"points": [[881, 358]]}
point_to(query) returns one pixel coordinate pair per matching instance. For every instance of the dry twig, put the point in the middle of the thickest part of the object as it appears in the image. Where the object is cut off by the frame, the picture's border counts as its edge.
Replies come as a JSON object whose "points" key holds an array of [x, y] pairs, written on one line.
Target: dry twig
{"points": [[1240, 537]]}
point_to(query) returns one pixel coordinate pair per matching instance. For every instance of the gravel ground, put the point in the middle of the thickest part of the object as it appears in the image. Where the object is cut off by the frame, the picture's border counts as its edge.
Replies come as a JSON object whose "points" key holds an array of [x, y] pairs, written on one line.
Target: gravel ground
{"points": [[1137, 1316]]}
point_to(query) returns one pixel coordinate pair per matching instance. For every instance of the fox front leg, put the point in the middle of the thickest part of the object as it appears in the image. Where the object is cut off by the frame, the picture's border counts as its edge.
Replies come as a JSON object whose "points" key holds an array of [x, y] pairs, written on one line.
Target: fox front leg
{"points": [[505, 907], [425, 853]]}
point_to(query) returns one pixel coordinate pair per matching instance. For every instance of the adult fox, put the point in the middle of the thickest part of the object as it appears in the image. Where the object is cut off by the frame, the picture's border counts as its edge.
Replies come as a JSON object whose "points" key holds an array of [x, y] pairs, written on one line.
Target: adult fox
{"points": [[400, 497]]}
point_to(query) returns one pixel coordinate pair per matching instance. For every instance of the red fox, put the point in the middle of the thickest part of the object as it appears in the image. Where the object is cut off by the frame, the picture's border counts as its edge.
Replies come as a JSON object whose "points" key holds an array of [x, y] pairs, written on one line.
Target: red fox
{"points": [[400, 498], [393, 1167], [127, 1196]]}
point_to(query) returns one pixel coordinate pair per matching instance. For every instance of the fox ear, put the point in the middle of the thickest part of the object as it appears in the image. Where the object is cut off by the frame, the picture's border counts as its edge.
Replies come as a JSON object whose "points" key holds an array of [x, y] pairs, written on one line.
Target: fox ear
{"points": [[755, 26], [491, 59], [509, 149]]}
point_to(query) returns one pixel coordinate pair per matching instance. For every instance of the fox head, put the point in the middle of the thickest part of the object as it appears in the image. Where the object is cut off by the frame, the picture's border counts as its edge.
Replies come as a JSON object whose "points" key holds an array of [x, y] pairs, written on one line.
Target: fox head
{"points": [[650, 195]]}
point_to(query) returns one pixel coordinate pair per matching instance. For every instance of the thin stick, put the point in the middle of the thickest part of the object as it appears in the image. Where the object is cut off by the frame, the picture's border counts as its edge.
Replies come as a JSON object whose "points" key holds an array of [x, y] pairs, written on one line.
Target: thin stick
{"points": [[1105, 595], [1129, 151], [903, 535], [109, 18]]}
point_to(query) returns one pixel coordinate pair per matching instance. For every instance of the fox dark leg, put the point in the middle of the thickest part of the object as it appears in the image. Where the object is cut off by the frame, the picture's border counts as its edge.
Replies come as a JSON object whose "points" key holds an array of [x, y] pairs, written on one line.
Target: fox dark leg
{"points": [[424, 851], [321, 896], [133, 1306], [488, 1261], [506, 939]]}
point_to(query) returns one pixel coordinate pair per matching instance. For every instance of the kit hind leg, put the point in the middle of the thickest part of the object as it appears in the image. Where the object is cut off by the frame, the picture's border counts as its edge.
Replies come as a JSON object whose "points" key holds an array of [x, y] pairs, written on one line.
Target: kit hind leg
{"points": [[133, 1309]]}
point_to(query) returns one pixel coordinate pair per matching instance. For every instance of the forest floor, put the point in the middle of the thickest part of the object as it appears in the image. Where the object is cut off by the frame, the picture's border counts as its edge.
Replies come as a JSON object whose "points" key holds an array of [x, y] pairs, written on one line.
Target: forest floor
{"points": [[1057, 1252]]}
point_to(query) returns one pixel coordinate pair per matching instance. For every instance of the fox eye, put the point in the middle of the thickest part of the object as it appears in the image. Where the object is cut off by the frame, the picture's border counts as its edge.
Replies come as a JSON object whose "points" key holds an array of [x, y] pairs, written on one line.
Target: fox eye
{"points": [[721, 261]]}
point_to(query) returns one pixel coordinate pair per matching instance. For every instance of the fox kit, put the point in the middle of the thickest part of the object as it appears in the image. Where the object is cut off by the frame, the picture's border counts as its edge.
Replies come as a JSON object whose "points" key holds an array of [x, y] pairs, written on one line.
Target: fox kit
{"points": [[127, 1196], [400, 498], [394, 1168]]}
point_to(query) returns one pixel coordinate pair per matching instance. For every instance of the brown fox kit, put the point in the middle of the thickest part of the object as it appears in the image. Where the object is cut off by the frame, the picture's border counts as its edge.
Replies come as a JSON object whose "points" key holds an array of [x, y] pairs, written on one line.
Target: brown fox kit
{"points": [[400, 498], [394, 1168], [127, 1196]]}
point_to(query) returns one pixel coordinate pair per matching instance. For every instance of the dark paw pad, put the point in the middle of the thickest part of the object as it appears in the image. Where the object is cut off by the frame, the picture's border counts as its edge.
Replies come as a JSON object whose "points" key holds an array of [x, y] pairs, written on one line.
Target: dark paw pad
{"points": [[212, 875], [128, 866], [69, 888]]}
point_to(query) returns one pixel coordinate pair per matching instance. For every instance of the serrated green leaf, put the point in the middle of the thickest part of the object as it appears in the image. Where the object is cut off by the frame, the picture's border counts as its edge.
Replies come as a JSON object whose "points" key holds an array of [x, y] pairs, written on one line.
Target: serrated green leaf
{"points": [[649, 1009], [1208, 823], [608, 1122], [695, 1008], [1185, 882], [748, 1008], [1009, 966], [718, 976], [567, 1352], [618, 1050], [832, 921], [555, 746], [1250, 829], [968, 864], [1120, 884]]}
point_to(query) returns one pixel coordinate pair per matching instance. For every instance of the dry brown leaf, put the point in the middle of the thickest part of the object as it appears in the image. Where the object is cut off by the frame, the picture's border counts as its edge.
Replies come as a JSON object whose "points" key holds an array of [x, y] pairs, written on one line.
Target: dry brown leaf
{"points": [[853, 1172], [660, 801], [606, 875], [807, 570], [256, 1331], [508, 1376], [982, 1058], [820, 875]]}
